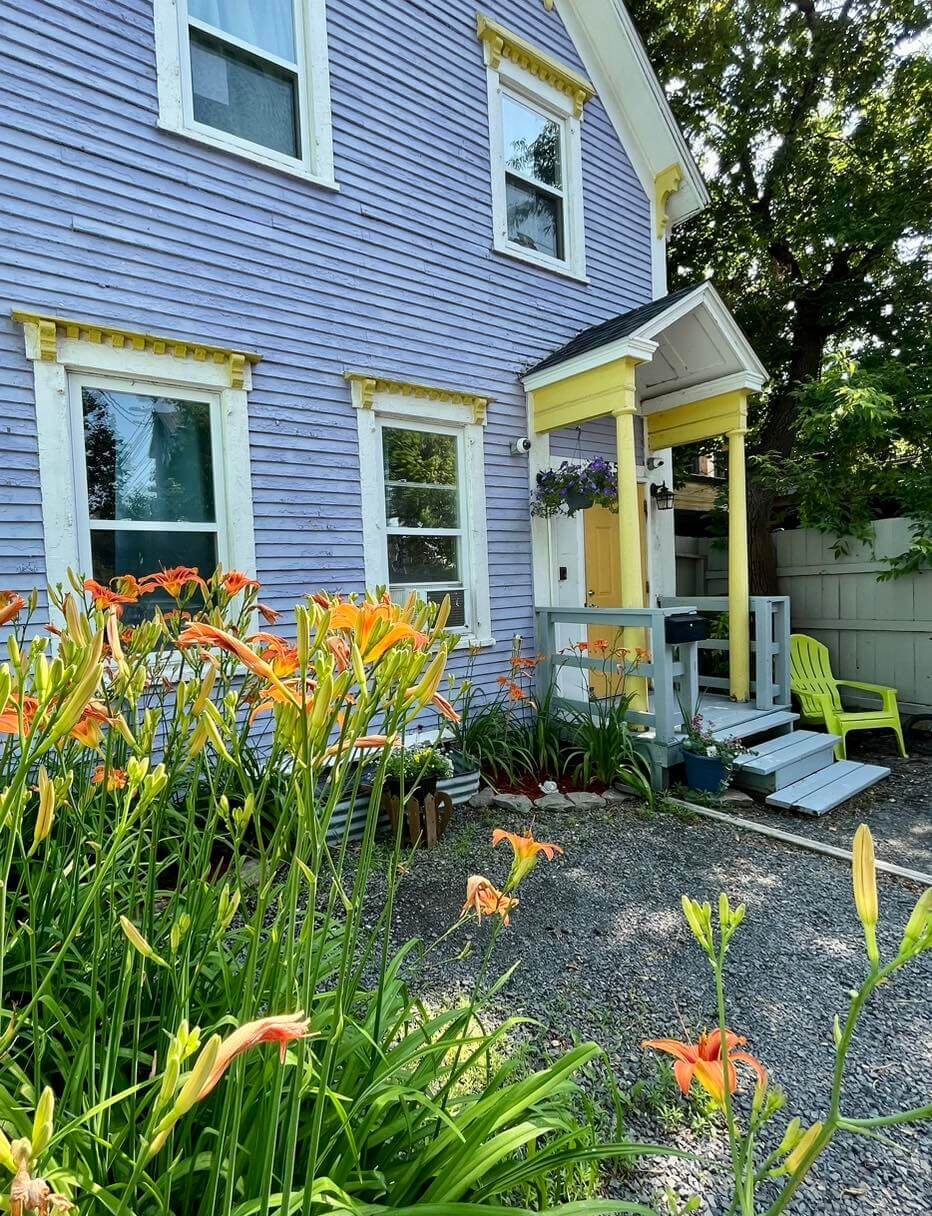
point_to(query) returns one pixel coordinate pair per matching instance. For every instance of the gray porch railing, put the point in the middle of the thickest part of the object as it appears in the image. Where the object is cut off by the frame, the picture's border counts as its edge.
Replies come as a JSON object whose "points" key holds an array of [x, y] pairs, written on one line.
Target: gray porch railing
{"points": [[672, 669], [770, 644]]}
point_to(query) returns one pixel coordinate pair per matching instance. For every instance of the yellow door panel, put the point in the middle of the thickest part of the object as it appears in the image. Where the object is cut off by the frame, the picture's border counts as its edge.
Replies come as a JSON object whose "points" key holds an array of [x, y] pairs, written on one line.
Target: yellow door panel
{"points": [[603, 576]]}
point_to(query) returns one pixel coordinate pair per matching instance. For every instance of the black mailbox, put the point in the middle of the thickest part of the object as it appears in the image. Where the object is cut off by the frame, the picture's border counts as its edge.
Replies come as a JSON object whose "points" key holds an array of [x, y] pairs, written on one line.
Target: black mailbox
{"points": [[686, 627]]}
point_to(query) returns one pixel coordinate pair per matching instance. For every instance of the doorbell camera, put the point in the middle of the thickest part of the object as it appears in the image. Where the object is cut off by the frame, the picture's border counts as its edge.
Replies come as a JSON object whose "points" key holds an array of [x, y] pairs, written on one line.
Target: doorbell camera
{"points": [[521, 446]]}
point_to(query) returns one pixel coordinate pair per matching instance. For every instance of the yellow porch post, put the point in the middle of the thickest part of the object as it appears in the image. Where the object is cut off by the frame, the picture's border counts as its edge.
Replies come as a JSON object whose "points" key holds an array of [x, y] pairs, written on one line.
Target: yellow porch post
{"points": [[629, 519], [739, 631]]}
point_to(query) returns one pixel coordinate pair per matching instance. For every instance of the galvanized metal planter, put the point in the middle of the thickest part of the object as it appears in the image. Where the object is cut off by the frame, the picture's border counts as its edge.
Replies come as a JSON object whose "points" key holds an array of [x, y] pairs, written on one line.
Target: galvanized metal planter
{"points": [[461, 787]]}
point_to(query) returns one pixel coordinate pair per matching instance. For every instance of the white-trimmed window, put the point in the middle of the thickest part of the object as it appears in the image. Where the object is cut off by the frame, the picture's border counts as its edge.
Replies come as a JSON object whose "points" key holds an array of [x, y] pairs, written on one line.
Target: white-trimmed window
{"points": [[143, 452], [536, 155], [423, 478], [250, 76]]}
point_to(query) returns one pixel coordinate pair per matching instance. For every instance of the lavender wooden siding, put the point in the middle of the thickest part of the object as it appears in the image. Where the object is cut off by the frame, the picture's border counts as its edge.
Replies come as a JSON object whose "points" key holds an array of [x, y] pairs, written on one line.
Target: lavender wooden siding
{"points": [[105, 216]]}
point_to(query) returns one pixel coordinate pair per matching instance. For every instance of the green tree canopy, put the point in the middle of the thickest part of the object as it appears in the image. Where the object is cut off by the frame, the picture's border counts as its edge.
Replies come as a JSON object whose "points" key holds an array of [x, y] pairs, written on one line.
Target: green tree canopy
{"points": [[812, 122]]}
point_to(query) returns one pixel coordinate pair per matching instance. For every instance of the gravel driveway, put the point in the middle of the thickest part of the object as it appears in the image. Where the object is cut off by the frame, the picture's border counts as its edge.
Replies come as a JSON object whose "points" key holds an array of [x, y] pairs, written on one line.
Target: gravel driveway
{"points": [[605, 954]]}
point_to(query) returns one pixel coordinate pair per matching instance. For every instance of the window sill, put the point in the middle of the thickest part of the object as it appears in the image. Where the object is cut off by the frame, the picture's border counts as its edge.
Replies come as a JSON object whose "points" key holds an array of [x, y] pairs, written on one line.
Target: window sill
{"points": [[532, 259], [267, 162], [471, 642]]}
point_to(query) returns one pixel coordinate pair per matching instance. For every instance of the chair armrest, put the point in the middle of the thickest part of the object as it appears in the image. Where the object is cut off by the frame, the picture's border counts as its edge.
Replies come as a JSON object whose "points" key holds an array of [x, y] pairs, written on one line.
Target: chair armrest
{"points": [[884, 691]]}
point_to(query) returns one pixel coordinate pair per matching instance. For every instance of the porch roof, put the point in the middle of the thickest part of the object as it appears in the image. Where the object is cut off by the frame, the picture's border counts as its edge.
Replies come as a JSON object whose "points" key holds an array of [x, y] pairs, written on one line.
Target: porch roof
{"points": [[687, 347]]}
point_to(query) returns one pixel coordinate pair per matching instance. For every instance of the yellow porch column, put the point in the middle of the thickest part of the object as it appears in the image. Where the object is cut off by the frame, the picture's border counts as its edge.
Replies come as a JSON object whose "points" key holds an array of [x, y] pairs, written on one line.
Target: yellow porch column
{"points": [[739, 632], [629, 519]]}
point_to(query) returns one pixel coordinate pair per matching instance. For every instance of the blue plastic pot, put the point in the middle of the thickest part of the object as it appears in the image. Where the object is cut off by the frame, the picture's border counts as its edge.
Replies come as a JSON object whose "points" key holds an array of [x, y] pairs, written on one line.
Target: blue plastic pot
{"points": [[705, 773]]}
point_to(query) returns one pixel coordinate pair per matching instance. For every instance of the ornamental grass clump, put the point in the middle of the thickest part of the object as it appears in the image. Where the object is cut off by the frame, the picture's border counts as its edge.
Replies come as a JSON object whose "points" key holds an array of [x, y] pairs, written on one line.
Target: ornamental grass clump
{"points": [[200, 1009]]}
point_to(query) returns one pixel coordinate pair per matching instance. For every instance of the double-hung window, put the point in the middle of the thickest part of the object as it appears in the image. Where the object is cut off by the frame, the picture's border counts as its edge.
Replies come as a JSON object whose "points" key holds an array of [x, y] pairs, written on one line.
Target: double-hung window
{"points": [[421, 457], [250, 76], [147, 468], [143, 451], [535, 111], [422, 480]]}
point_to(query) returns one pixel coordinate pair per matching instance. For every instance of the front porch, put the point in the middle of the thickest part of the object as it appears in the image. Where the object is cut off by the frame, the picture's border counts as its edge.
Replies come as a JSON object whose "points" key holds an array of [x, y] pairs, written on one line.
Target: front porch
{"points": [[671, 687]]}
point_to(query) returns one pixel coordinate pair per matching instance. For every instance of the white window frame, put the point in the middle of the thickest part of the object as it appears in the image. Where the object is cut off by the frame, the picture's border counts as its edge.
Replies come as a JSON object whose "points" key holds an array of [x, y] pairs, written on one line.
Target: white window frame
{"points": [[62, 463], [394, 409], [176, 101], [509, 79]]}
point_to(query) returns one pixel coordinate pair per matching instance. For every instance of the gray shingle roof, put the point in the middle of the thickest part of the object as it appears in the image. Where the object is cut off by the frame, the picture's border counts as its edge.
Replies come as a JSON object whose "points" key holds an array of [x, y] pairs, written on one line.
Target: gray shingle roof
{"points": [[610, 331]]}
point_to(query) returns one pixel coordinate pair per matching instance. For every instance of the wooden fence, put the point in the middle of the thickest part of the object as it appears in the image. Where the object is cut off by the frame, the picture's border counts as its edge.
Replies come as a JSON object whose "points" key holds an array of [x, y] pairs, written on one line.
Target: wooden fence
{"points": [[878, 632]]}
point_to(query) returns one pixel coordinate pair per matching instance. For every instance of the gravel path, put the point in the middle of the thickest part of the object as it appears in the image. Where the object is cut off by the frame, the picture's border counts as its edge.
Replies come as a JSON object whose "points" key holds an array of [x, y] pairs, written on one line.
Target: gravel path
{"points": [[605, 954], [898, 809]]}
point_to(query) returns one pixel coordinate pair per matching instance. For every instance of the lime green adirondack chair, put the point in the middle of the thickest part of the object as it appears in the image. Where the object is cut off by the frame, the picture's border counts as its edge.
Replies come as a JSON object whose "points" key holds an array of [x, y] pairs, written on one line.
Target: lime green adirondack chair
{"points": [[817, 689]]}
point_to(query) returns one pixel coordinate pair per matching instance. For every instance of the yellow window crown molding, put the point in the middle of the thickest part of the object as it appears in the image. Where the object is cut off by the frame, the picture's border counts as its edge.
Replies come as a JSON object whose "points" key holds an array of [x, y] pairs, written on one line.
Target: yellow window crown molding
{"points": [[499, 43], [666, 182], [366, 387], [48, 330]]}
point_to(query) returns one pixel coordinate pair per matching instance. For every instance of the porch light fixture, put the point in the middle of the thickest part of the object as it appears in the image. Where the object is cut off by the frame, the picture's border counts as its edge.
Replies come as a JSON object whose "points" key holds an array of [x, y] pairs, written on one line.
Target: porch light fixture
{"points": [[654, 462], [662, 496]]}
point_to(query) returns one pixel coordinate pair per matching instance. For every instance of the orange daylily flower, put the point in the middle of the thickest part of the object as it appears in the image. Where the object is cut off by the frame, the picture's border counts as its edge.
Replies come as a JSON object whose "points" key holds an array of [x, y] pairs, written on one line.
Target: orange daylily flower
{"points": [[705, 1061], [283, 1029], [268, 614], [527, 850], [9, 719], [88, 728], [235, 581], [11, 605], [375, 627], [116, 778], [201, 634], [515, 691], [174, 581], [104, 598], [275, 651], [486, 900], [365, 742], [444, 708]]}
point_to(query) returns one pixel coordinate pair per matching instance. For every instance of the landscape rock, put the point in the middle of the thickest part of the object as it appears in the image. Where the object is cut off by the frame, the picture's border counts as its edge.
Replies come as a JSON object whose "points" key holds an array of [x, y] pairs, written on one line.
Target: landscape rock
{"points": [[483, 798], [739, 796], [585, 800], [553, 802], [615, 797], [519, 803]]}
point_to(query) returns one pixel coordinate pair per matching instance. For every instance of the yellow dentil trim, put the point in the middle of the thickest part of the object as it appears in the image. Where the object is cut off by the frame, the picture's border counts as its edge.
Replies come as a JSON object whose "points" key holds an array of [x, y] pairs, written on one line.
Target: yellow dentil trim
{"points": [[499, 43], [50, 328], [368, 386], [666, 182]]}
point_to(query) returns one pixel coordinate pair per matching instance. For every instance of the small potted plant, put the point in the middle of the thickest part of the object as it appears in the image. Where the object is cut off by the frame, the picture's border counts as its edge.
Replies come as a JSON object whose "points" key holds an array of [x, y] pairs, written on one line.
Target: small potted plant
{"points": [[418, 769], [574, 487], [708, 760]]}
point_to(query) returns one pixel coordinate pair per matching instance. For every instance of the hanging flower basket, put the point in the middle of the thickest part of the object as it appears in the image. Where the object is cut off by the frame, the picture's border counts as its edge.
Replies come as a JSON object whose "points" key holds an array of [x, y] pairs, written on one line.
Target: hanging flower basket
{"points": [[574, 487]]}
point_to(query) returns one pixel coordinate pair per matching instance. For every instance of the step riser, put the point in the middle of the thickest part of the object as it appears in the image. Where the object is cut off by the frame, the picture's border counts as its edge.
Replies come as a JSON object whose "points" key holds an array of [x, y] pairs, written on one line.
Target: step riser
{"points": [[786, 774]]}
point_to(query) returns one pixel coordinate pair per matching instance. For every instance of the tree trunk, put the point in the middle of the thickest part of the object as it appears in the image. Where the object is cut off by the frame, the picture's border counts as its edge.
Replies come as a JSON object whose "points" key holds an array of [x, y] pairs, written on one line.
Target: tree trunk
{"points": [[776, 439]]}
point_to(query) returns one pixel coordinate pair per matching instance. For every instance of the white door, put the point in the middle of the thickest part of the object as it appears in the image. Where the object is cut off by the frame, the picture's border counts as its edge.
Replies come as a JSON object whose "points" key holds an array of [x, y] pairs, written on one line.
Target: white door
{"points": [[568, 590]]}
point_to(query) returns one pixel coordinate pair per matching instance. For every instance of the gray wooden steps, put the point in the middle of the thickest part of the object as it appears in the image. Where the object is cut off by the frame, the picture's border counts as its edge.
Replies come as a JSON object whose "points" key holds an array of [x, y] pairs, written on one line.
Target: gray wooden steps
{"points": [[783, 760], [779, 720], [829, 787]]}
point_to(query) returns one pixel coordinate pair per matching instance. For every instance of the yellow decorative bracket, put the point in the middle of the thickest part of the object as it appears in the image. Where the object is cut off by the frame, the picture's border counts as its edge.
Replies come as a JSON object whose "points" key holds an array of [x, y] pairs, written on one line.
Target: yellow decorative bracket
{"points": [[666, 182], [499, 43], [366, 387], [50, 328]]}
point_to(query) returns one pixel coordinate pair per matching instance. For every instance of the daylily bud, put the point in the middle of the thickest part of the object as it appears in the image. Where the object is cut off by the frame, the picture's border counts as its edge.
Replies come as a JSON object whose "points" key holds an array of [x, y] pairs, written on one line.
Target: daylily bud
{"points": [[6, 1153], [918, 933], [836, 1031], [303, 622], [791, 1136], [6, 685], [864, 879], [179, 931], [227, 907], [796, 1157], [198, 1075], [46, 807], [137, 940], [42, 1125], [699, 917]]}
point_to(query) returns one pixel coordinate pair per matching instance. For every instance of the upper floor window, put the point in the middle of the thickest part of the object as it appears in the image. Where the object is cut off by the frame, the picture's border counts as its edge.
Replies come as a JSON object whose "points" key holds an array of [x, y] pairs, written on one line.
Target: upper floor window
{"points": [[535, 110], [250, 76]]}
